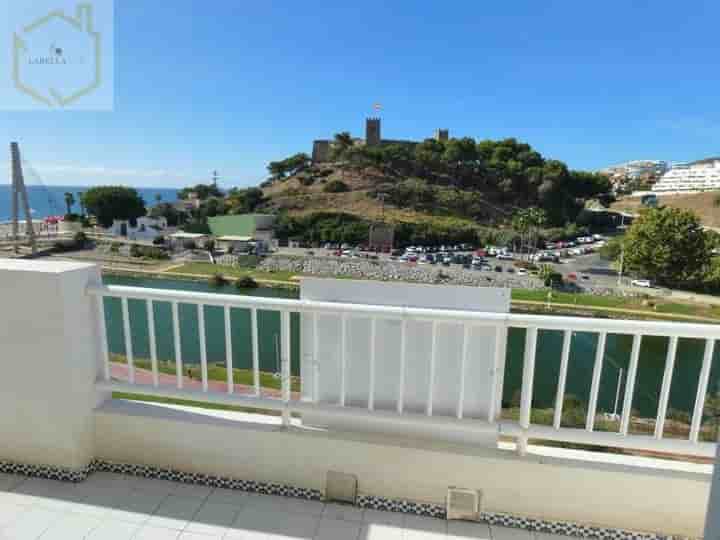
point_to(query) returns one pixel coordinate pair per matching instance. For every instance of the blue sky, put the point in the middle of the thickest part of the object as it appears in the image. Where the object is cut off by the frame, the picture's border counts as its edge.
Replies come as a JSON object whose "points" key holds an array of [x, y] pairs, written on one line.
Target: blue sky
{"points": [[231, 84]]}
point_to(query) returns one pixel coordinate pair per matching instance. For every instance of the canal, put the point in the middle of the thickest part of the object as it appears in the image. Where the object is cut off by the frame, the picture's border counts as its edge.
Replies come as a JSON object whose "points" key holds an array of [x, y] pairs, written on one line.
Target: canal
{"points": [[582, 354]]}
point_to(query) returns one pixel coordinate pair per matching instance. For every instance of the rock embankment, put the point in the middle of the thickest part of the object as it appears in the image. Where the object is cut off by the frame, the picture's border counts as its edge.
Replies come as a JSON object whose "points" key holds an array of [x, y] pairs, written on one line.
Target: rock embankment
{"points": [[395, 271]]}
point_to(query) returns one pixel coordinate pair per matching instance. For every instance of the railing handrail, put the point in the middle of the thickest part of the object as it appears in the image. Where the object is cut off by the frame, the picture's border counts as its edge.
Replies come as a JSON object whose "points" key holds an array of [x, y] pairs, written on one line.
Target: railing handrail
{"points": [[554, 322]]}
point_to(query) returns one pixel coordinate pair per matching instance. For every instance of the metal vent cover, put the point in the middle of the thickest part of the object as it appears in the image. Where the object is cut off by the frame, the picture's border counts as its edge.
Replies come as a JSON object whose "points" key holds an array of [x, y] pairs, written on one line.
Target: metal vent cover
{"points": [[463, 504], [341, 487]]}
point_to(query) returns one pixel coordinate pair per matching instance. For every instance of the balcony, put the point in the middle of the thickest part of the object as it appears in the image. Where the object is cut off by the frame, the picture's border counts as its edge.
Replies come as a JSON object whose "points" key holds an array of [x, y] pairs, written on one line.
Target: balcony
{"points": [[404, 397]]}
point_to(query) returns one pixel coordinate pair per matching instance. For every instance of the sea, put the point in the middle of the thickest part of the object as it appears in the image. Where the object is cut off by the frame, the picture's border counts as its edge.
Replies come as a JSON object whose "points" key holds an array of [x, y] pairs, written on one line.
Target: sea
{"points": [[50, 200]]}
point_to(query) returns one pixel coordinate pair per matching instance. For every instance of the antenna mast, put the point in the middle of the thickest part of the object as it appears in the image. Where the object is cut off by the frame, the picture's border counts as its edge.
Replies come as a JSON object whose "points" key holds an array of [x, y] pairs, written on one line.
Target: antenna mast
{"points": [[19, 191]]}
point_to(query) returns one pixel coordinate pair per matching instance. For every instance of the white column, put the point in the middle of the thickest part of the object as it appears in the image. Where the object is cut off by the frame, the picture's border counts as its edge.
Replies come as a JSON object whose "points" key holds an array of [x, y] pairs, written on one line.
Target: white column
{"points": [[51, 358], [712, 518]]}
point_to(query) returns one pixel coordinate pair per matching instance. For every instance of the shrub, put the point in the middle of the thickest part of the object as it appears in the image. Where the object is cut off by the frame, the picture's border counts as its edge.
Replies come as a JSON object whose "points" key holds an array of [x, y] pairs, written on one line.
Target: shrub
{"points": [[527, 265], [159, 240], [189, 244], [306, 180], [246, 282], [80, 239], [148, 252], [115, 247], [217, 280], [336, 186]]}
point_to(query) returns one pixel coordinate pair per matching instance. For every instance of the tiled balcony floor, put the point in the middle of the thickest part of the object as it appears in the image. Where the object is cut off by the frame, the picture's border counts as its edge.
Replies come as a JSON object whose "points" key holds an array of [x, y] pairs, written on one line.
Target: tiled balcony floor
{"points": [[116, 507]]}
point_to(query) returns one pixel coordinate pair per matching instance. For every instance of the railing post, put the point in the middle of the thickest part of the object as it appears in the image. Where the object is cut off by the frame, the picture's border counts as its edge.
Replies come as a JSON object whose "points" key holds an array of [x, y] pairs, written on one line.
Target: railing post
{"points": [[696, 422], [229, 371], [102, 334], [498, 375], [128, 340], [666, 384], [315, 358], [177, 344], [595, 386], [560, 395], [527, 387], [463, 366], [630, 385], [255, 350], [286, 359], [343, 358], [371, 388], [152, 341], [403, 362], [431, 375]]}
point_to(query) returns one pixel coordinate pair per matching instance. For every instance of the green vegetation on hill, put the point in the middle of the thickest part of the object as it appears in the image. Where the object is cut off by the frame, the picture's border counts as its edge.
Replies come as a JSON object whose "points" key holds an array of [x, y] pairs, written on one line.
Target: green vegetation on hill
{"points": [[465, 177], [433, 192]]}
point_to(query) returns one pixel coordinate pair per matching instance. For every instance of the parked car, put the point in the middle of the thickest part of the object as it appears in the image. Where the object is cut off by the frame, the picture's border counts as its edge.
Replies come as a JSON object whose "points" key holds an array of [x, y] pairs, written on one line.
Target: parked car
{"points": [[505, 256], [641, 283], [522, 272]]}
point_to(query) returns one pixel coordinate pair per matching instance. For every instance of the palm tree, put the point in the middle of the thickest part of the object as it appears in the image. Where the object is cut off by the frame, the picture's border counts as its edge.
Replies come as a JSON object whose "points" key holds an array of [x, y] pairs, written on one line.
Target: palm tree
{"points": [[80, 201], [69, 201]]}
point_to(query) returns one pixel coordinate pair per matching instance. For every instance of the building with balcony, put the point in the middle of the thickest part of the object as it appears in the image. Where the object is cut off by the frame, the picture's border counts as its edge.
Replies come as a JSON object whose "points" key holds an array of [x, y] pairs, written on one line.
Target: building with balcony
{"points": [[392, 411], [703, 175]]}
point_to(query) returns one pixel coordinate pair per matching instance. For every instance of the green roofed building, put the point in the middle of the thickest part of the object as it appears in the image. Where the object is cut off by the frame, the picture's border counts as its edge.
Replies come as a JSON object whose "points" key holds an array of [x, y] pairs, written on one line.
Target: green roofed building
{"points": [[243, 230]]}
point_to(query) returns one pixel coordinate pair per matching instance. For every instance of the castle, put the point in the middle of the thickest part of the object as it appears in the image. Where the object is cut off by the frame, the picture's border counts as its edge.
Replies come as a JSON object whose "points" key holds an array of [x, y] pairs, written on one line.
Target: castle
{"points": [[321, 147]]}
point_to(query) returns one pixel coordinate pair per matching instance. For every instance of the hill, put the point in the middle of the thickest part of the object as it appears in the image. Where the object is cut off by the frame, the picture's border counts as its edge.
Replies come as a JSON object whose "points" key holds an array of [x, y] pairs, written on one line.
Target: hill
{"points": [[453, 183], [703, 204]]}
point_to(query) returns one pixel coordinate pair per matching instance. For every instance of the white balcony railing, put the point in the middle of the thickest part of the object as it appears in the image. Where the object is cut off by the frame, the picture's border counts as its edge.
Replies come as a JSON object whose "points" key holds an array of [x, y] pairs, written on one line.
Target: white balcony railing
{"points": [[521, 428]]}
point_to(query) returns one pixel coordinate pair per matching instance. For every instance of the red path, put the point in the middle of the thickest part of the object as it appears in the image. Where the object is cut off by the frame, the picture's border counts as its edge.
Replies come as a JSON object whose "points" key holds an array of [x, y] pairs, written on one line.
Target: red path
{"points": [[143, 377]]}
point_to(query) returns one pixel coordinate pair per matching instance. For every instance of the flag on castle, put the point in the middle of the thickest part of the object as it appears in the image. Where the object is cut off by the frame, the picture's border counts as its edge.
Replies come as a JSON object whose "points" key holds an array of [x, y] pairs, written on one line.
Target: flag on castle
{"points": [[377, 106]]}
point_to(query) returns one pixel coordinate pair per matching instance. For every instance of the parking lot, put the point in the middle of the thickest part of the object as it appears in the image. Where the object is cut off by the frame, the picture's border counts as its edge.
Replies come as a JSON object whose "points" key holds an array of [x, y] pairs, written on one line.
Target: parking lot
{"points": [[591, 269]]}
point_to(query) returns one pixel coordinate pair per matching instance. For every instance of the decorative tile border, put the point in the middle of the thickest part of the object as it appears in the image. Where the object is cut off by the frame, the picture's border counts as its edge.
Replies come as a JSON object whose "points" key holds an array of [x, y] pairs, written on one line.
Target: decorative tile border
{"points": [[46, 471], [402, 506], [364, 501]]}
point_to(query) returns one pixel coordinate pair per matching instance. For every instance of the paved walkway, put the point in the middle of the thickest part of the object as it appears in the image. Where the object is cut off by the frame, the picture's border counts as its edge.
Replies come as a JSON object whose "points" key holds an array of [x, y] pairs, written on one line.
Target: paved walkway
{"points": [[110, 506]]}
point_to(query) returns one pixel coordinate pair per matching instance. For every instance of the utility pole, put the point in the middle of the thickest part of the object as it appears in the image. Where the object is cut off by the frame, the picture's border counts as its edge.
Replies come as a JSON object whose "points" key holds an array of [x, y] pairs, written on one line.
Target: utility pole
{"points": [[622, 263], [19, 191], [381, 198]]}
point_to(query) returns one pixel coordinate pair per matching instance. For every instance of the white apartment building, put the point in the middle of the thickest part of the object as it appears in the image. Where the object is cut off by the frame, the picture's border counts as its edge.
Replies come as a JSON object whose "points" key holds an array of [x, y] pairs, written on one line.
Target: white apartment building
{"points": [[696, 176]]}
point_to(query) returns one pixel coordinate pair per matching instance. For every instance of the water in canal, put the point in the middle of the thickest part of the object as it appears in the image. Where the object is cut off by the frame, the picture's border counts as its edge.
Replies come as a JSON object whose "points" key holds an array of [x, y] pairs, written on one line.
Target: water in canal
{"points": [[582, 353]]}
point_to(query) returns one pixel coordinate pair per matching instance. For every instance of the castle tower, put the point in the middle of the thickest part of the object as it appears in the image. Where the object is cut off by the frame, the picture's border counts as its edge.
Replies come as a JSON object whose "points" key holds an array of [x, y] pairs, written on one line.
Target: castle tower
{"points": [[372, 132], [442, 135], [320, 151]]}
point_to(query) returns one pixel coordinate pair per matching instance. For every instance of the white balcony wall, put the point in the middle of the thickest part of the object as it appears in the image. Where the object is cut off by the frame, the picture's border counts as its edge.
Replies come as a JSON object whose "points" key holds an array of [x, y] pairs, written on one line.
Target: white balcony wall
{"points": [[636, 496]]}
